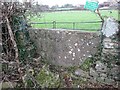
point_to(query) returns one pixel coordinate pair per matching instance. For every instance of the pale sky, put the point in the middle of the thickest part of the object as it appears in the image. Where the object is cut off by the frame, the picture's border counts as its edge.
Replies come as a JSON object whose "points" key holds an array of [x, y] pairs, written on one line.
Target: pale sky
{"points": [[62, 2]]}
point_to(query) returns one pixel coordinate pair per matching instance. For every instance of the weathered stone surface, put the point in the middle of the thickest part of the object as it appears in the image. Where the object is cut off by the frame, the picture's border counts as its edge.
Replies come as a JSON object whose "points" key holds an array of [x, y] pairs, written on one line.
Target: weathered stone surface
{"points": [[82, 73], [71, 48], [109, 81], [101, 79], [100, 67], [109, 44], [64, 47], [115, 73], [103, 75], [106, 81], [93, 79], [93, 73], [0, 47]]}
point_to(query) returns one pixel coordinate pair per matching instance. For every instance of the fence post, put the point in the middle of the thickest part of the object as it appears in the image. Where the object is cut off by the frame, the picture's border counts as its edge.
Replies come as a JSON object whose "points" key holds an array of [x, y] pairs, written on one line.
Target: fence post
{"points": [[54, 24], [73, 25]]}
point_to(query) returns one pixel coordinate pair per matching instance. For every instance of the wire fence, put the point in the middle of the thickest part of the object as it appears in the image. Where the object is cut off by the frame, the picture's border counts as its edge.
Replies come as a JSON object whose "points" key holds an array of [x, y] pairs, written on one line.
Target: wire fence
{"points": [[90, 25]]}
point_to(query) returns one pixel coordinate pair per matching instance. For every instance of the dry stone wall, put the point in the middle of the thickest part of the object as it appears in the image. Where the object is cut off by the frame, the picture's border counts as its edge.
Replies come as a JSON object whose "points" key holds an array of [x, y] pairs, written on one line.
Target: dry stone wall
{"points": [[73, 48], [65, 47]]}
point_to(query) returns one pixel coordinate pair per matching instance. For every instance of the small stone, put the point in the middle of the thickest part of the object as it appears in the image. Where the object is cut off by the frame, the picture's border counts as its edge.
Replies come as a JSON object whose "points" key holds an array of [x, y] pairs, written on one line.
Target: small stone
{"points": [[90, 42], [93, 73], [108, 45], [82, 39], [73, 54], [101, 79], [93, 79], [76, 44], [109, 81], [70, 33], [1, 47], [73, 58], [70, 52], [71, 49], [78, 50], [90, 56], [42, 53], [83, 47], [59, 57], [65, 57], [100, 67], [114, 72], [88, 51], [36, 32], [103, 75], [80, 72], [84, 55], [58, 32], [87, 44]]}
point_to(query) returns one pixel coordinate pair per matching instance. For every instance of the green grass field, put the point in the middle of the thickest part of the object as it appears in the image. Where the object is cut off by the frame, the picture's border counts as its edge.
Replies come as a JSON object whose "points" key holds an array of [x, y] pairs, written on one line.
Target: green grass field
{"points": [[72, 16]]}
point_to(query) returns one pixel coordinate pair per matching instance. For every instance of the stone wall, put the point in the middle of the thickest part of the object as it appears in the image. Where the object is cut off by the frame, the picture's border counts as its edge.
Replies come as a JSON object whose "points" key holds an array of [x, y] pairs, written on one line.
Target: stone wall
{"points": [[73, 48], [65, 47]]}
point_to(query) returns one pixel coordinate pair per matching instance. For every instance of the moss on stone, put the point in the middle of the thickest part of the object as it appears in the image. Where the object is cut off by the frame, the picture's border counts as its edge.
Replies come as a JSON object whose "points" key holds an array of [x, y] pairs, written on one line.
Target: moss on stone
{"points": [[48, 79], [87, 64]]}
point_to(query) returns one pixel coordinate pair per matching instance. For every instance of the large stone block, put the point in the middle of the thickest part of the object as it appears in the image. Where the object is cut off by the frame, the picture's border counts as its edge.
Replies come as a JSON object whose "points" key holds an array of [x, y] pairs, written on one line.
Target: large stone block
{"points": [[65, 47]]}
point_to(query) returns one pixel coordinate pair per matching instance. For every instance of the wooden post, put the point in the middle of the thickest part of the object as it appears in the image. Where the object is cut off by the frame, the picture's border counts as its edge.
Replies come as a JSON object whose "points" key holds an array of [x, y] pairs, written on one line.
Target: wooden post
{"points": [[73, 25], [100, 15], [54, 24]]}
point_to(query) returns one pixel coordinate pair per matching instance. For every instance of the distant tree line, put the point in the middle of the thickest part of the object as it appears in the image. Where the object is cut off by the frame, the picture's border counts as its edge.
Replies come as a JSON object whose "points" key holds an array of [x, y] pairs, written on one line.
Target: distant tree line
{"points": [[43, 8]]}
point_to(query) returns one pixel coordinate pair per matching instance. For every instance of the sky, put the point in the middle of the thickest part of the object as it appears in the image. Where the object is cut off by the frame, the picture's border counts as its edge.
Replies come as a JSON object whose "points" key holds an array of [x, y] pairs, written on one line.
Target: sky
{"points": [[62, 2]]}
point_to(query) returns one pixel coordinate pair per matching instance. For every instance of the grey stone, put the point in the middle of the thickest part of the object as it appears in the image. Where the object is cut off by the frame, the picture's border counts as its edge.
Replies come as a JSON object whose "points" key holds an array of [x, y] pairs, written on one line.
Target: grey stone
{"points": [[65, 47], [80, 72], [109, 81], [103, 75], [100, 67], [93, 79], [107, 40], [93, 73], [0, 47], [101, 79], [108, 45], [106, 81], [117, 78], [115, 73]]}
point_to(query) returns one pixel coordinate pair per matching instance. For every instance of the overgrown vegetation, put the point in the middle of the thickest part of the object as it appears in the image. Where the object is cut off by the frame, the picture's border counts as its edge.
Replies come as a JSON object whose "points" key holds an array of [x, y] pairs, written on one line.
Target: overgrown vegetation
{"points": [[21, 66], [18, 50]]}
